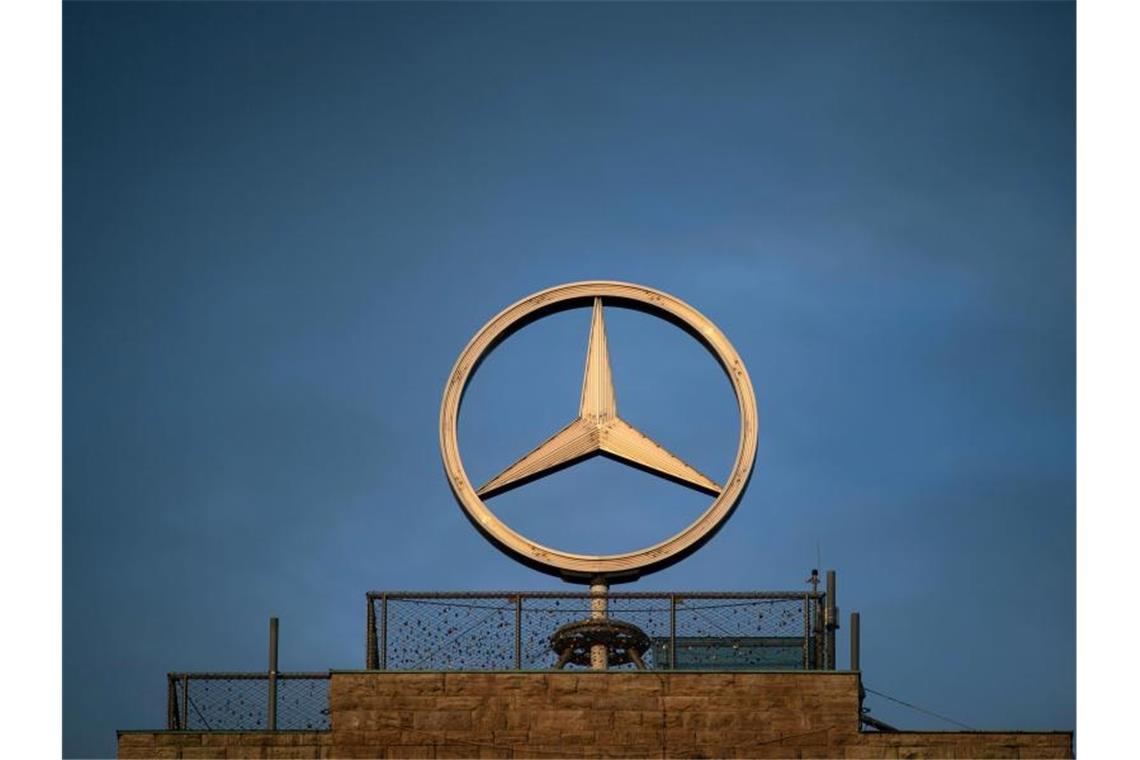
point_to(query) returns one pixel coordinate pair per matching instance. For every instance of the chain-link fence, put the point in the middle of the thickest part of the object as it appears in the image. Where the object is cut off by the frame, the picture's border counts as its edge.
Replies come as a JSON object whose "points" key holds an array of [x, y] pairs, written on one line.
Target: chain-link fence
{"points": [[768, 630], [241, 701], [512, 630]]}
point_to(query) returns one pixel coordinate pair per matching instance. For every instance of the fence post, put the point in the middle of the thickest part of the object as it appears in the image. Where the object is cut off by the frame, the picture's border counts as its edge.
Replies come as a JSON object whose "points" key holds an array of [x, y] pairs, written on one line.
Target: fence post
{"points": [[518, 632], [672, 632], [854, 641], [807, 633], [831, 619], [821, 630], [185, 701], [384, 632], [371, 656], [271, 720], [171, 702]]}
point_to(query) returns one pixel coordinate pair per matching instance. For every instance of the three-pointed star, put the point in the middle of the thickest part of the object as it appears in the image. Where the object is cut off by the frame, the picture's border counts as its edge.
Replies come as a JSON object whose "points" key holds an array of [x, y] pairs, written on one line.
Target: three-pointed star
{"points": [[598, 430]]}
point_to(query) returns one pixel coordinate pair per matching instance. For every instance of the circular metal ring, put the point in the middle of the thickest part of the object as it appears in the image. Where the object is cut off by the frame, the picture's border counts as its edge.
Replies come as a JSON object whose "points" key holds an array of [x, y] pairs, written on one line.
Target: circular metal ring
{"points": [[586, 567]]}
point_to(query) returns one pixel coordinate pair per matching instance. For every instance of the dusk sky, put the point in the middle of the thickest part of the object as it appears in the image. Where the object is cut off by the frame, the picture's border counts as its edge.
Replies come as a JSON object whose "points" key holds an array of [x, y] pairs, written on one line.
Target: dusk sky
{"points": [[282, 223]]}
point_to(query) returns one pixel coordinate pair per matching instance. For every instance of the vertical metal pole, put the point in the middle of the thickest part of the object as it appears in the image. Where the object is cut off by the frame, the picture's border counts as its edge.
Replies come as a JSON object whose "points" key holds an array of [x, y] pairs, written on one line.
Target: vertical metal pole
{"points": [[171, 702], [831, 619], [518, 632], [672, 632], [271, 718], [371, 658], [807, 632], [185, 701], [817, 634], [816, 622], [599, 653], [384, 632]]}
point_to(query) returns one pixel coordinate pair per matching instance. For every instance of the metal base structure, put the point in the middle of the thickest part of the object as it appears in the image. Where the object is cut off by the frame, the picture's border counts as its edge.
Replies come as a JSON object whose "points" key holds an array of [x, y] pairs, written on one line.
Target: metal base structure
{"points": [[599, 643]]}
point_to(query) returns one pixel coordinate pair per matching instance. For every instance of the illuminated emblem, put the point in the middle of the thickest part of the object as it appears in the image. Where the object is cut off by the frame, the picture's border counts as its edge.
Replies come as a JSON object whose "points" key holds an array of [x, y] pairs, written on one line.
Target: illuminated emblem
{"points": [[598, 429]]}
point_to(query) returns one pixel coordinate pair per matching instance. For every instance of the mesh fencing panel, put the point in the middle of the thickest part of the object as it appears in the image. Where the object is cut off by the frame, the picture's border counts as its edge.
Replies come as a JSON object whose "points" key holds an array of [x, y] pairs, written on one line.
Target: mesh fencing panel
{"points": [[302, 703], [232, 703], [743, 633], [450, 634], [508, 631], [240, 701]]}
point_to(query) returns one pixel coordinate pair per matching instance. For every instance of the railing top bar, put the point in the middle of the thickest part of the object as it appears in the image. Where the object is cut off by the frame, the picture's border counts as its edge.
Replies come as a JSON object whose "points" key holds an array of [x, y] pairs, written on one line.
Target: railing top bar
{"points": [[246, 676], [510, 595]]}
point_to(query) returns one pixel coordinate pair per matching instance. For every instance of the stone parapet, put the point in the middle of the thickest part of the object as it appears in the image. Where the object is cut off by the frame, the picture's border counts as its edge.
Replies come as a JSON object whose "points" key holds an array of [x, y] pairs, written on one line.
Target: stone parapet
{"points": [[606, 714]]}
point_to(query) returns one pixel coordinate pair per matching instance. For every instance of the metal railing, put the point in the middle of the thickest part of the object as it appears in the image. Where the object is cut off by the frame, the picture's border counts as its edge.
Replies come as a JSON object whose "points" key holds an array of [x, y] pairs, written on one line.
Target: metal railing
{"points": [[247, 701], [510, 630]]}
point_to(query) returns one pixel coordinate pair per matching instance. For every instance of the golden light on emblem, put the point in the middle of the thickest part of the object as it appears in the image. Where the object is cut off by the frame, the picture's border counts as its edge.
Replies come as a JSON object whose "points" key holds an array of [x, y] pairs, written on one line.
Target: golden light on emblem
{"points": [[598, 429]]}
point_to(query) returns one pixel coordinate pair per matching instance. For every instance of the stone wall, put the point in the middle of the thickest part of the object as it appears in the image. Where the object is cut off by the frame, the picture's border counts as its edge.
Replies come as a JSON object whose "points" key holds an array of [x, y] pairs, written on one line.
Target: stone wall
{"points": [[224, 744], [614, 714], [964, 744], [595, 714]]}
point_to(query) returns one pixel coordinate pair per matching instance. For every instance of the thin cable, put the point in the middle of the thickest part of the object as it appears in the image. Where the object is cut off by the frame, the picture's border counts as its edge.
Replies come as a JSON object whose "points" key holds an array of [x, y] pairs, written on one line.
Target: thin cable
{"points": [[921, 710]]}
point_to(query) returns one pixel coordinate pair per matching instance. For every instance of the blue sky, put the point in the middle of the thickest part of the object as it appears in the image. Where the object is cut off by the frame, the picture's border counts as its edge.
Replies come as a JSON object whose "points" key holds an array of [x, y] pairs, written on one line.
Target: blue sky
{"points": [[284, 221]]}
